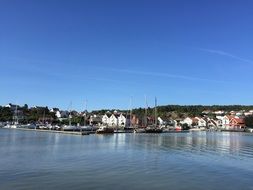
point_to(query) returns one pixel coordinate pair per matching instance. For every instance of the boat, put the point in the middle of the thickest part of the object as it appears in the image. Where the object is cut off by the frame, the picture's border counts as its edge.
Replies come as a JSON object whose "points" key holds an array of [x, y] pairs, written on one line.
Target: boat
{"points": [[154, 128], [30, 126], [139, 130], [44, 125], [129, 128], [7, 126], [105, 130], [178, 128], [14, 126], [85, 127], [56, 127], [69, 127], [15, 123]]}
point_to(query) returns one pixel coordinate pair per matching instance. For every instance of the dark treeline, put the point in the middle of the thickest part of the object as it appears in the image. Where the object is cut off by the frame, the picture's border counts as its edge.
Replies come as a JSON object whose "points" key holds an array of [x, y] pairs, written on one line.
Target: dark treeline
{"points": [[28, 115], [190, 110]]}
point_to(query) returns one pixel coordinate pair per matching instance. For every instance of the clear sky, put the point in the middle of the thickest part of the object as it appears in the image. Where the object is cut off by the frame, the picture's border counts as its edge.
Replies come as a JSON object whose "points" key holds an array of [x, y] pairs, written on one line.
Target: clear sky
{"points": [[53, 52]]}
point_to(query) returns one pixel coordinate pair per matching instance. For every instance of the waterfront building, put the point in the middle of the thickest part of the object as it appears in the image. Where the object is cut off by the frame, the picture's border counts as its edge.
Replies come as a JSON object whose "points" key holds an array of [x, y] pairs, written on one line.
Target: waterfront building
{"points": [[224, 122], [187, 121], [200, 122], [211, 123], [113, 120], [236, 123], [105, 119], [122, 121]]}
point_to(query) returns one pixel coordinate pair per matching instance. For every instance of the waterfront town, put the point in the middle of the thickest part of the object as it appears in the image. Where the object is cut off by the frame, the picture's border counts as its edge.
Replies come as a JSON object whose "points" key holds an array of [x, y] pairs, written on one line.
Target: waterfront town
{"points": [[166, 118]]}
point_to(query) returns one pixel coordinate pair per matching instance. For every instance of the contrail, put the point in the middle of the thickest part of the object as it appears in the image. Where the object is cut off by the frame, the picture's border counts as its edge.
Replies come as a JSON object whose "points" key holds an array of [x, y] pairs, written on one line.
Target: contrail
{"points": [[166, 75], [222, 53]]}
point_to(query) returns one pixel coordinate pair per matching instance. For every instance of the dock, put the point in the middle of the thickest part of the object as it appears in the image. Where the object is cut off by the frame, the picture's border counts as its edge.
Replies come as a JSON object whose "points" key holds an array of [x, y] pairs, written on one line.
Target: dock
{"points": [[60, 132]]}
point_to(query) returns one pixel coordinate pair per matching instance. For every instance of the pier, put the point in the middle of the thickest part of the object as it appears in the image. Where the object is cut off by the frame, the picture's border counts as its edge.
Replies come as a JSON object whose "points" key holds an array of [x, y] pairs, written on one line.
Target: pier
{"points": [[61, 132]]}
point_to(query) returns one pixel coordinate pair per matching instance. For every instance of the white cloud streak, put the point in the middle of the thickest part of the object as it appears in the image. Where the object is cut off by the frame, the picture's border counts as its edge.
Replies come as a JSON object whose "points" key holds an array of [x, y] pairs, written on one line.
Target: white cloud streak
{"points": [[222, 53], [165, 75]]}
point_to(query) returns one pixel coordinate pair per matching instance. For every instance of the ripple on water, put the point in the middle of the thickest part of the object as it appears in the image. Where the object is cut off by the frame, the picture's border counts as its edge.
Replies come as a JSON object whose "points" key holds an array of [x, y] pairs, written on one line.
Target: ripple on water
{"points": [[31, 160]]}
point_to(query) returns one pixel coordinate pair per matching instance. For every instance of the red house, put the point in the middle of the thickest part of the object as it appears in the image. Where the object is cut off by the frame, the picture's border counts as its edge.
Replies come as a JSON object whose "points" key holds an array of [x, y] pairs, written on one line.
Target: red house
{"points": [[236, 123]]}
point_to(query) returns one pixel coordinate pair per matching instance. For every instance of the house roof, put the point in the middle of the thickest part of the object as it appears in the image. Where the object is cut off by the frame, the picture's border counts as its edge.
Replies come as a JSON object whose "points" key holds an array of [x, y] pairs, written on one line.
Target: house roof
{"points": [[195, 119], [239, 120]]}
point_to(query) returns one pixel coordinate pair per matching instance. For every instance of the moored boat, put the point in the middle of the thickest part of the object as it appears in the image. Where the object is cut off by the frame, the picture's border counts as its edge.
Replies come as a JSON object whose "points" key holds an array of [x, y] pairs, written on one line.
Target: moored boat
{"points": [[139, 130], [129, 129], [153, 129], [69, 128], [105, 130], [86, 128]]}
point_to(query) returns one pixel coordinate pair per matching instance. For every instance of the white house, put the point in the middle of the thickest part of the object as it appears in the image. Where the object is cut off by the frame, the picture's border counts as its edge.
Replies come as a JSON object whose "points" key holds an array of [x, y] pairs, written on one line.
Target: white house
{"points": [[121, 120], [224, 121], [219, 112], [113, 120], [187, 121], [105, 119], [58, 114], [8, 106], [248, 113], [161, 121], [200, 122]]}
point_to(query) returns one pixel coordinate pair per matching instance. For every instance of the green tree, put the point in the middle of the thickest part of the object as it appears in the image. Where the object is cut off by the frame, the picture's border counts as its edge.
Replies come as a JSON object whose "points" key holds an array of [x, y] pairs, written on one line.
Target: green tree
{"points": [[5, 114], [249, 121]]}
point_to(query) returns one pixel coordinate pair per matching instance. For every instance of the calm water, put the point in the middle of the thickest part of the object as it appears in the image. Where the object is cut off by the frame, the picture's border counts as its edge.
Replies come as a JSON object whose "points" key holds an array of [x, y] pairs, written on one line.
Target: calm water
{"points": [[200, 160]]}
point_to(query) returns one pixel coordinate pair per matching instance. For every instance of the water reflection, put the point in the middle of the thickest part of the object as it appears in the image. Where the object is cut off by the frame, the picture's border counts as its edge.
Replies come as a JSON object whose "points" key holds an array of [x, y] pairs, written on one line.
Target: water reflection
{"points": [[31, 160], [236, 145]]}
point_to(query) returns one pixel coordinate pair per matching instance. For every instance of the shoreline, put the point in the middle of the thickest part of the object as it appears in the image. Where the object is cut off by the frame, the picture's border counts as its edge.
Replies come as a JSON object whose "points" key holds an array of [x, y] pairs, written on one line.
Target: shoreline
{"points": [[118, 132], [51, 131]]}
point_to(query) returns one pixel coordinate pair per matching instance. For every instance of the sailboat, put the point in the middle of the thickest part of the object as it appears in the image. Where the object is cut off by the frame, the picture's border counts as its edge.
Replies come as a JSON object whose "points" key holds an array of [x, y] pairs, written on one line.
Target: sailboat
{"points": [[142, 130], [42, 125], [15, 124], [129, 127], [15, 118], [69, 127], [105, 130], [154, 128], [85, 127]]}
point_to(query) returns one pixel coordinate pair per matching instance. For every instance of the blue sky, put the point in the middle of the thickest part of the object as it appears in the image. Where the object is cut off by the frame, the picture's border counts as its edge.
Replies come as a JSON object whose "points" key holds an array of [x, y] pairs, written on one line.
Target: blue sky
{"points": [[53, 52]]}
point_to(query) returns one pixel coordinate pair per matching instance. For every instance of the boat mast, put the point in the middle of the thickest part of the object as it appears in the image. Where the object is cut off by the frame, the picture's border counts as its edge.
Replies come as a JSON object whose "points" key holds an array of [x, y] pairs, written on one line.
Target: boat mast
{"points": [[155, 112], [70, 116], [146, 112], [16, 114], [44, 117], [131, 112], [85, 113]]}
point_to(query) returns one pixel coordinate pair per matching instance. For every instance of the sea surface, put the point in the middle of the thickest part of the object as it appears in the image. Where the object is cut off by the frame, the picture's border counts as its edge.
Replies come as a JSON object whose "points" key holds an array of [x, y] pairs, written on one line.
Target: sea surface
{"points": [[197, 160]]}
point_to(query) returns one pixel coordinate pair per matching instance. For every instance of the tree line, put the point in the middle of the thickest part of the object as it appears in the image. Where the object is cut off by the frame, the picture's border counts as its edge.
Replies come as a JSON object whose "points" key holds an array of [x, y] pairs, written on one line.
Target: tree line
{"points": [[30, 115]]}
